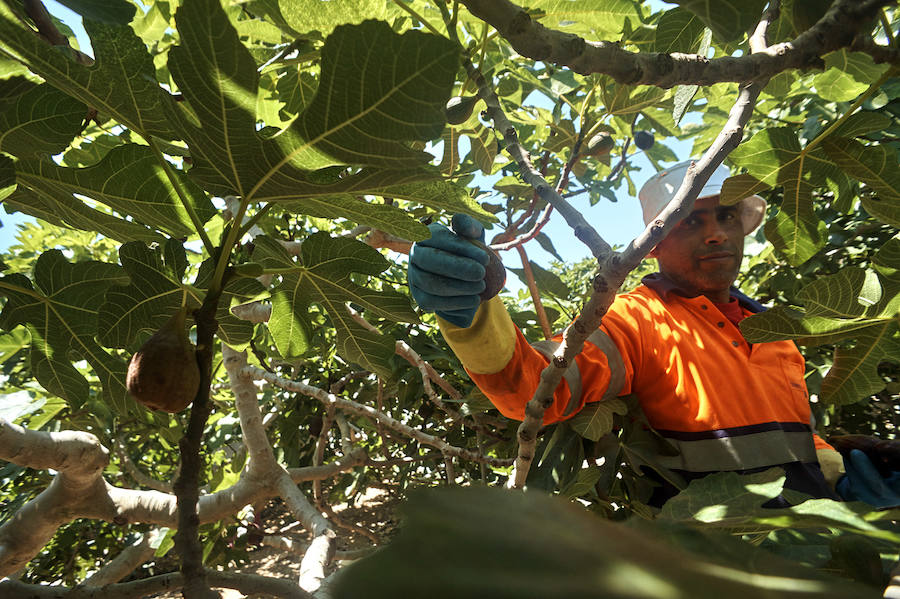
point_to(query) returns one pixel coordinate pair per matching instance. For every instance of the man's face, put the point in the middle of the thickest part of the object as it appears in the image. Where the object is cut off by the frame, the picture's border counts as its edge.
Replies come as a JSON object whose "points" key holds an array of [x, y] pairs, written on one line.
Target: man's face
{"points": [[703, 253]]}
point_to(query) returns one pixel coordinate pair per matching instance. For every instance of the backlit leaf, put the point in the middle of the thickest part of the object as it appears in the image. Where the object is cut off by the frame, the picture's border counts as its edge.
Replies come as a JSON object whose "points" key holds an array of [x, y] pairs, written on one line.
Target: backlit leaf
{"points": [[41, 121], [121, 84], [729, 19], [130, 180], [596, 419], [60, 311], [324, 279]]}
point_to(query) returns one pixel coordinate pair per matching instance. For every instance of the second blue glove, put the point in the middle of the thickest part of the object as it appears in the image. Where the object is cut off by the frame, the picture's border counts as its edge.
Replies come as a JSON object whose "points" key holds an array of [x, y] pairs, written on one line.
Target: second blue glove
{"points": [[446, 271]]}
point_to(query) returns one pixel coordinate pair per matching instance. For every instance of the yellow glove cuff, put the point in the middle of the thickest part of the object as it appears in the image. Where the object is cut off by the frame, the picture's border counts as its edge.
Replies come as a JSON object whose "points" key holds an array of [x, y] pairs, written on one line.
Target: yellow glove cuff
{"points": [[487, 345], [831, 463]]}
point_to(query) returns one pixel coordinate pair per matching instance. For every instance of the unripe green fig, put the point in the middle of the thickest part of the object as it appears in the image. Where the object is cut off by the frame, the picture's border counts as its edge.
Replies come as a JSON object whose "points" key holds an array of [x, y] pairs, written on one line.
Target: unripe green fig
{"points": [[643, 140], [163, 374], [249, 269], [600, 144], [494, 273], [459, 109]]}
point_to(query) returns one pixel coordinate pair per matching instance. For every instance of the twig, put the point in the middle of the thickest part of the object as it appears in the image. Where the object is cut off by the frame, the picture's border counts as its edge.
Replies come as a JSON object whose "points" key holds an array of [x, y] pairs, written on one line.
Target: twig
{"points": [[535, 293], [358, 409]]}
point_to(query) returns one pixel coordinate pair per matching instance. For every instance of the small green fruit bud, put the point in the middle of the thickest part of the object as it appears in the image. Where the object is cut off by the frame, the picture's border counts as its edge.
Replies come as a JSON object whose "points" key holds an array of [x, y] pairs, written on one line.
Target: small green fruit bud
{"points": [[460, 108], [249, 269], [600, 144]]}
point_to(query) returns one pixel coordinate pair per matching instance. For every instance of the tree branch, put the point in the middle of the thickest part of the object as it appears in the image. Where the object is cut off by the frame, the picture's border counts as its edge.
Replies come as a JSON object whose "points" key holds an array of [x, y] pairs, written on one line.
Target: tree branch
{"points": [[835, 30]]}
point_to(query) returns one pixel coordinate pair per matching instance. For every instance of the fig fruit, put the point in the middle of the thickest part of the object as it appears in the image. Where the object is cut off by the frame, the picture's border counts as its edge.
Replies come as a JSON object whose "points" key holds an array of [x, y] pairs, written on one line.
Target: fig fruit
{"points": [[460, 108], [643, 140], [163, 374], [600, 144], [494, 273]]}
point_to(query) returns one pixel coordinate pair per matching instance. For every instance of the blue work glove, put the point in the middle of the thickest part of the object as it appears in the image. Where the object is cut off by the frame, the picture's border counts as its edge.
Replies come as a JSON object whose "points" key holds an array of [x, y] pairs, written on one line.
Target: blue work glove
{"points": [[864, 483], [446, 271]]}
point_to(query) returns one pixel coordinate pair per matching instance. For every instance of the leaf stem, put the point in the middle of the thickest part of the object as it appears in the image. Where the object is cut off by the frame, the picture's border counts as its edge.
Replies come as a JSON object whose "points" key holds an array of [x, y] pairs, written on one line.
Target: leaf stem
{"points": [[173, 178], [245, 228], [859, 102], [233, 235], [419, 17]]}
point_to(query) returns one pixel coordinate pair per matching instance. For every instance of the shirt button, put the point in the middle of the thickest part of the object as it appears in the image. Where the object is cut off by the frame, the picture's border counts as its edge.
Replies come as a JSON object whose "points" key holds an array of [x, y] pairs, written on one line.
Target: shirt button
{"points": [[703, 306], [736, 343], [720, 324]]}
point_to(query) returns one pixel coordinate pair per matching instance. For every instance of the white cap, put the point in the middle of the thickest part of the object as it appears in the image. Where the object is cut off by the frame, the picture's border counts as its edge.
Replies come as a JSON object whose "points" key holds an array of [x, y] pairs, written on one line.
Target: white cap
{"points": [[661, 187]]}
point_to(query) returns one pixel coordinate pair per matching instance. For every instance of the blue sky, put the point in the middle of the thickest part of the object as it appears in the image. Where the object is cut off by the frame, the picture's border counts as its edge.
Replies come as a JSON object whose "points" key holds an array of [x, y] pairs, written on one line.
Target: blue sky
{"points": [[617, 223]]}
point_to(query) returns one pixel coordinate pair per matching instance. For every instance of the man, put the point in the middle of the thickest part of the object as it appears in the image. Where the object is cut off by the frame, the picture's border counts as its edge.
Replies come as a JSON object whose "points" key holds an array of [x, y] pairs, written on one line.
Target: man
{"points": [[725, 404]]}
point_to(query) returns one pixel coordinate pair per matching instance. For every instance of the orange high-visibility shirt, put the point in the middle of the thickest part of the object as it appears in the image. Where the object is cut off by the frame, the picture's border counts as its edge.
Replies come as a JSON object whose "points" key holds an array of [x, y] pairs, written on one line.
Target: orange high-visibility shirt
{"points": [[724, 403]]}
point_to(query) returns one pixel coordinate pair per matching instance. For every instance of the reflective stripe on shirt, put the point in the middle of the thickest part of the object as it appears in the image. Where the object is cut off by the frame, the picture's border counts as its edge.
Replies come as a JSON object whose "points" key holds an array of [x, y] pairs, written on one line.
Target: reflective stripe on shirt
{"points": [[740, 448]]}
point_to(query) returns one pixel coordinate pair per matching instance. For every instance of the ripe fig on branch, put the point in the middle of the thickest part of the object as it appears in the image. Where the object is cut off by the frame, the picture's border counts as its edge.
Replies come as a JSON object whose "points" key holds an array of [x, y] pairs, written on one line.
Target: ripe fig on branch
{"points": [[460, 108], [163, 374], [494, 273], [643, 140]]}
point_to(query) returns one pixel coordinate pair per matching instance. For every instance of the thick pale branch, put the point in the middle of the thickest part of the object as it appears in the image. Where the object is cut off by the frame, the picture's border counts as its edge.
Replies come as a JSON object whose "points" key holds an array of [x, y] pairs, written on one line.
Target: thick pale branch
{"points": [[124, 564], [835, 30]]}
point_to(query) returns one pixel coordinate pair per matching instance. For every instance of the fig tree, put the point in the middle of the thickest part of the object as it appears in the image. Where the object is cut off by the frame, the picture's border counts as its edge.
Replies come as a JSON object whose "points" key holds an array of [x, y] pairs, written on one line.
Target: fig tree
{"points": [[163, 374]]}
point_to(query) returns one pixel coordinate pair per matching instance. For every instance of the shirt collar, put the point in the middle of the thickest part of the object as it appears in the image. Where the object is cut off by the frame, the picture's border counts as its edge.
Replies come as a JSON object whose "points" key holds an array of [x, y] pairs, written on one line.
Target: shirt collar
{"points": [[666, 287]]}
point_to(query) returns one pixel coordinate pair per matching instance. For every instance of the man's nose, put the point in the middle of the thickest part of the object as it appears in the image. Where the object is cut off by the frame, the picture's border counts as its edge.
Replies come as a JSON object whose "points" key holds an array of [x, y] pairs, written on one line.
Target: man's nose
{"points": [[715, 233]]}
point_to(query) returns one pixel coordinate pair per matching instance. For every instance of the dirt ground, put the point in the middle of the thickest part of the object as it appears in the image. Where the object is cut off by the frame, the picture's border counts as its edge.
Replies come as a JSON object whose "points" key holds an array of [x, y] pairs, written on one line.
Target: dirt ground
{"points": [[374, 511]]}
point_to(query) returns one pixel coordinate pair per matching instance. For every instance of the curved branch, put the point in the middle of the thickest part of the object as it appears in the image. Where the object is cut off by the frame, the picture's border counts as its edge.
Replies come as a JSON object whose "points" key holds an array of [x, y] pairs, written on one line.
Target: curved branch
{"points": [[835, 30]]}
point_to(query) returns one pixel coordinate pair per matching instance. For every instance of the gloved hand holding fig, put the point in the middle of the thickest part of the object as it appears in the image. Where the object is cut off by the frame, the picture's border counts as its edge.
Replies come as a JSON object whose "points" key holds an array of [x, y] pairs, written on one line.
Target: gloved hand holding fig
{"points": [[447, 271]]}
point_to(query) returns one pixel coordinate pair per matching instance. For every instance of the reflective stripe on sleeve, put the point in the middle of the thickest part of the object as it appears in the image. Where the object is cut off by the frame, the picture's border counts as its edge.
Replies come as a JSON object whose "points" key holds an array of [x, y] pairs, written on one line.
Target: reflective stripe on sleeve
{"points": [[573, 374], [740, 448]]}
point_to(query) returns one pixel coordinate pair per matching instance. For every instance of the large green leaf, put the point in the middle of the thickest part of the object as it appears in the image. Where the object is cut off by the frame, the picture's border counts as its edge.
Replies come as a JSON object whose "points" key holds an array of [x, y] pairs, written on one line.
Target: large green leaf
{"points": [[847, 75], [43, 120], [488, 542], [678, 30], [596, 419], [774, 157], [733, 501], [122, 83], [874, 165], [853, 304], [66, 210], [854, 374], [156, 291], [130, 180], [324, 279], [315, 15], [729, 19], [594, 19], [367, 108], [60, 311], [153, 295]]}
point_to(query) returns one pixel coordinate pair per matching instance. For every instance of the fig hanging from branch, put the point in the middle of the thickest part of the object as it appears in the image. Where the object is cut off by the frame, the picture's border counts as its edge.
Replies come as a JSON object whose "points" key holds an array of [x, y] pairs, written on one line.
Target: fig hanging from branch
{"points": [[163, 374]]}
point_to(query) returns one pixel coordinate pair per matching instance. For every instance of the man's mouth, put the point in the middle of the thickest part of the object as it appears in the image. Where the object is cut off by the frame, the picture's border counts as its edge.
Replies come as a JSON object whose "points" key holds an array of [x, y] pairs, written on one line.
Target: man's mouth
{"points": [[717, 257]]}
